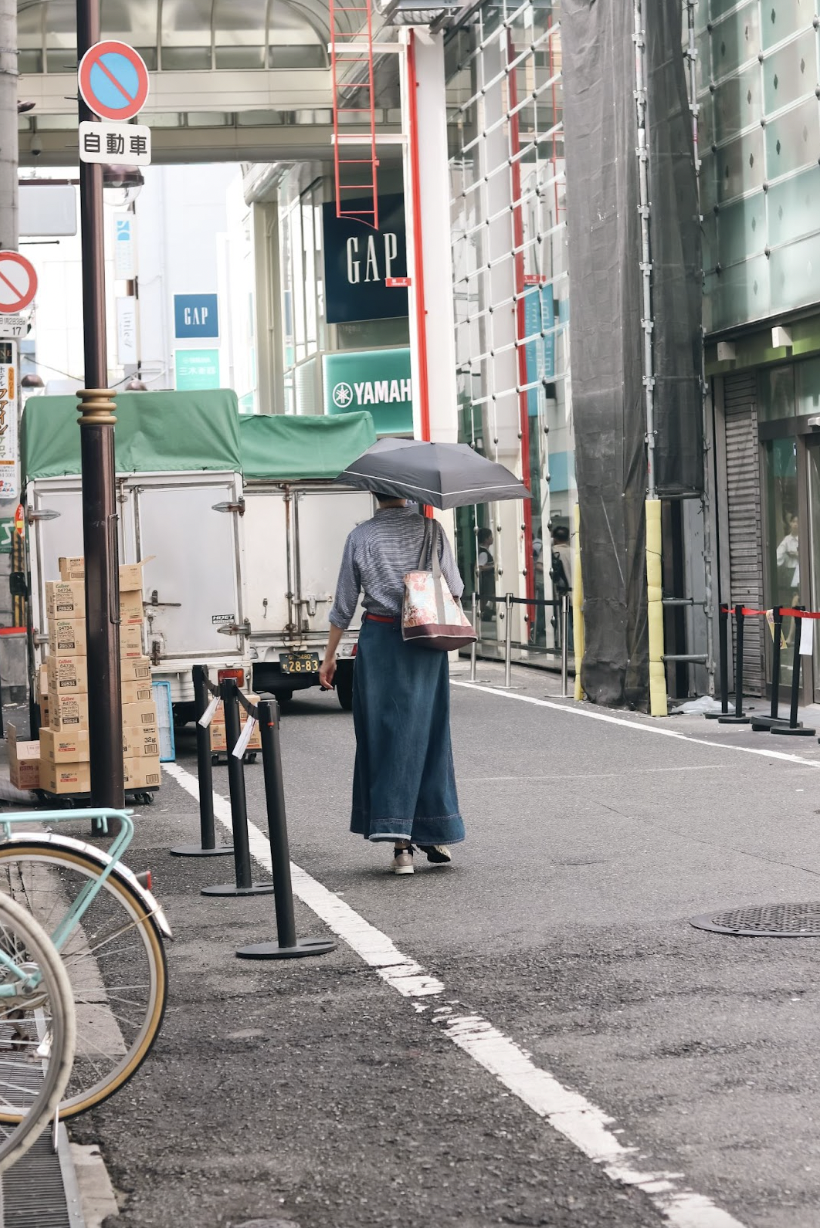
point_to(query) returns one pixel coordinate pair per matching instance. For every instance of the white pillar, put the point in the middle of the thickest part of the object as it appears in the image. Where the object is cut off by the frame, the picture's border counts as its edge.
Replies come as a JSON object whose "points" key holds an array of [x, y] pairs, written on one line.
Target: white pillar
{"points": [[427, 214]]}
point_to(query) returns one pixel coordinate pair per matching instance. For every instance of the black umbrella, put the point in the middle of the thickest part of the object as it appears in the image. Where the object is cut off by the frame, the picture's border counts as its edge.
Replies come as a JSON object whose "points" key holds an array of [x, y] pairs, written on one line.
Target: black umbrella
{"points": [[441, 474]]}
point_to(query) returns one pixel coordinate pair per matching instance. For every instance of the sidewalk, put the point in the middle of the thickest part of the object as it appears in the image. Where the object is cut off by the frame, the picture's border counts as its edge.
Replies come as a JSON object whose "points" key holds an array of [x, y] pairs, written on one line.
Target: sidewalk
{"points": [[359, 1089]]}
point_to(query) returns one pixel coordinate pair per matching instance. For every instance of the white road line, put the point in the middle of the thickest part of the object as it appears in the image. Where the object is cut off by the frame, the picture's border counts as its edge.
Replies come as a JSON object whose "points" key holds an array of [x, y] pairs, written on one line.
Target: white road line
{"points": [[583, 710], [698, 767], [580, 1121]]}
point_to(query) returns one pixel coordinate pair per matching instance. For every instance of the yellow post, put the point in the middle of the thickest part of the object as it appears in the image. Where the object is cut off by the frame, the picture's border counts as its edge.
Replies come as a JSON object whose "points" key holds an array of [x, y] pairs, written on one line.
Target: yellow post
{"points": [[654, 590], [578, 605]]}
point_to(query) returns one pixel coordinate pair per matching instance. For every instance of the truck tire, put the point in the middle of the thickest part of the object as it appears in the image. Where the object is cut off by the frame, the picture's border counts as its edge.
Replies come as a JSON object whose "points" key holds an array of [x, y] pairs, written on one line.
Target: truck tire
{"points": [[344, 685]]}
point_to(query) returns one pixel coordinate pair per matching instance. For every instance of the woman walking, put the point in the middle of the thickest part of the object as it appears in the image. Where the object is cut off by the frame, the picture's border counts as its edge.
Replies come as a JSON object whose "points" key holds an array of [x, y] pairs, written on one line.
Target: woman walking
{"points": [[404, 787]]}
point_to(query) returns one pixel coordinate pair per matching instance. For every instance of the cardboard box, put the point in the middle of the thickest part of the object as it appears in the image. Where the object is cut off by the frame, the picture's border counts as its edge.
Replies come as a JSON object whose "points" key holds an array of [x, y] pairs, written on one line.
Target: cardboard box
{"points": [[130, 641], [64, 746], [65, 777], [45, 711], [141, 743], [72, 568], [67, 675], [131, 576], [24, 761], [42, 680], [142, 773], [135, 669], [219, 715], [66, 636], [131, 608], [135, 716], [219, 740], [67, 712], [65, 599], [137, 692]]}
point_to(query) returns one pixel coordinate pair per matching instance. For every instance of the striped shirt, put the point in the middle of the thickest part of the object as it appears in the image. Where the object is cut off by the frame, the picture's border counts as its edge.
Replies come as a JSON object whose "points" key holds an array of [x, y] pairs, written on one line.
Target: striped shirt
{"points": [[377, 556]]}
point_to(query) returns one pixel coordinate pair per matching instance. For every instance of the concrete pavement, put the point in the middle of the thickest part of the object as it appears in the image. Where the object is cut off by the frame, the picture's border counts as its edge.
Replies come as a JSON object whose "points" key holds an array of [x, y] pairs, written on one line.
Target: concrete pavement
{"points": [[312, 1094]]}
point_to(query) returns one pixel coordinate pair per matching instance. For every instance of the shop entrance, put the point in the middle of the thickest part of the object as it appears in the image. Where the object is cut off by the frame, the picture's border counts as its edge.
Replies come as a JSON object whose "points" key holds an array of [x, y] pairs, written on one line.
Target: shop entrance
{"points": [[789, 432]]}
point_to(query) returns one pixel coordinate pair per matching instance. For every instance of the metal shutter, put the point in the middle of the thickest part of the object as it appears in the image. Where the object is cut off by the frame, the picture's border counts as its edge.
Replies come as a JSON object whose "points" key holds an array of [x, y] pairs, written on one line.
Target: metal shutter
{"points": [[745, 518]]}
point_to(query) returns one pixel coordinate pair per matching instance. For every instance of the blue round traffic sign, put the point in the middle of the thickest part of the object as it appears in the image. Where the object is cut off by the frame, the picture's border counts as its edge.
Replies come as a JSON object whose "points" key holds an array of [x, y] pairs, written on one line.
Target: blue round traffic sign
{"points": [[113, 80]]}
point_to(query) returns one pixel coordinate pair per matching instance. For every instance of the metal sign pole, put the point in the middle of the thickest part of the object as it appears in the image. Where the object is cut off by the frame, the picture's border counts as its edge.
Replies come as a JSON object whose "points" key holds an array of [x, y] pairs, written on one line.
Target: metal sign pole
{"points": [[97, 422]]}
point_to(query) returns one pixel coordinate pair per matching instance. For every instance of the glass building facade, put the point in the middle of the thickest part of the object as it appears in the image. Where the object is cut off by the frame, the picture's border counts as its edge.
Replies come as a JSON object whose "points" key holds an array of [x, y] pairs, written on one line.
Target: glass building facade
{"points": [[759, 144]]}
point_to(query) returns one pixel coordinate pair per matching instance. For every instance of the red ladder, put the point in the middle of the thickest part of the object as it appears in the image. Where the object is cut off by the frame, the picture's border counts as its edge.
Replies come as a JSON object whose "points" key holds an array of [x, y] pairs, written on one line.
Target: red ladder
{"points": [[354, 174]]}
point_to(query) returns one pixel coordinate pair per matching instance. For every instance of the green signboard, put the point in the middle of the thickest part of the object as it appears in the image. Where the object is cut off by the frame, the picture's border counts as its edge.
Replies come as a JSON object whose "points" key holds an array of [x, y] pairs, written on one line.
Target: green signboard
{"points": [[6, 532], [196, 369], [375, 380]]}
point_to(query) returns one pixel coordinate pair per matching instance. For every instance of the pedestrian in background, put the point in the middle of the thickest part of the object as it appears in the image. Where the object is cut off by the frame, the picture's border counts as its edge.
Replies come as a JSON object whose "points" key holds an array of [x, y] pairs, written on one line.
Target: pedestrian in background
{"points": [[404, 787]]}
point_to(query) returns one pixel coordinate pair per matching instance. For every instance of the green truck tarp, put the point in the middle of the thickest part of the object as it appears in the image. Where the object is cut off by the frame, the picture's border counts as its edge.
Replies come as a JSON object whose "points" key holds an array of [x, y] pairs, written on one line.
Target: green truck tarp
{"points": [[156, 432], [277, 447]]}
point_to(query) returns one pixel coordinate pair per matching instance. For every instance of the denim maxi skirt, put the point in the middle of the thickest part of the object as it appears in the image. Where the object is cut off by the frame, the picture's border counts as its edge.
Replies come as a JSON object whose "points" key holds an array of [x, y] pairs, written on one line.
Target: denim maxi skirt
{"points": [[404, 785]]}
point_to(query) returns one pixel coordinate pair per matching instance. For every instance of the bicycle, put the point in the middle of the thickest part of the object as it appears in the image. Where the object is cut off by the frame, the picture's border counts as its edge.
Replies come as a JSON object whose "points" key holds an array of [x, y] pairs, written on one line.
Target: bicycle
{"points": [[37, 1030], [109, 931]]}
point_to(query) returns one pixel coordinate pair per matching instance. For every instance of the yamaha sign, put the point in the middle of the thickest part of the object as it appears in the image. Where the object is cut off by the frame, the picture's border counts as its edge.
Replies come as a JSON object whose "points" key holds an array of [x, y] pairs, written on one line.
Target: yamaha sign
{"points": [[376, 380]]}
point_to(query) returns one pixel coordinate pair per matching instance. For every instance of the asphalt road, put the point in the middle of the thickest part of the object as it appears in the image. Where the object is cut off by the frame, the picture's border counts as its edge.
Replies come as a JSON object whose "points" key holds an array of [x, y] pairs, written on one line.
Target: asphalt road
{"points": [[312, 1094]]}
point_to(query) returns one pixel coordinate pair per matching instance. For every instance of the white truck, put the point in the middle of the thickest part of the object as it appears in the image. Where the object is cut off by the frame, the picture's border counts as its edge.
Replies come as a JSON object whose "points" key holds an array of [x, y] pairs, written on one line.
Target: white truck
{"points": [[240, 528]]}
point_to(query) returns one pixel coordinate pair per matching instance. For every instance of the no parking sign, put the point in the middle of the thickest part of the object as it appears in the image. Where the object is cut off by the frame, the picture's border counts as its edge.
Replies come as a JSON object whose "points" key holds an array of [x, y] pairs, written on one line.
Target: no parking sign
{"points": [[113, 80]]}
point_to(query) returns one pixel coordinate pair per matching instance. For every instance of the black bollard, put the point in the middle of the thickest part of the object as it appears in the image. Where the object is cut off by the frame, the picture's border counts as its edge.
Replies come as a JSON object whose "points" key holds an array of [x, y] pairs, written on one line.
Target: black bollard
{"points": [[239, 809], [288, 945], [738, 718], [764, 723], [208, 846], [794, 729], [723, 645]]}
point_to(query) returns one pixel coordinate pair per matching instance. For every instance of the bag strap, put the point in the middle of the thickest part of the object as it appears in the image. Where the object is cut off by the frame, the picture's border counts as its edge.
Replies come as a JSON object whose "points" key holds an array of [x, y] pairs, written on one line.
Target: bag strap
{"points": [[437, 589]]}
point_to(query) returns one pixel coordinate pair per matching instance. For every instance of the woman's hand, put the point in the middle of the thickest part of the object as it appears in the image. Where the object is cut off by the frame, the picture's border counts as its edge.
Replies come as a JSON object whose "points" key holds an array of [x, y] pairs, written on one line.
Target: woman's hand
{"points": [[327, 671]]}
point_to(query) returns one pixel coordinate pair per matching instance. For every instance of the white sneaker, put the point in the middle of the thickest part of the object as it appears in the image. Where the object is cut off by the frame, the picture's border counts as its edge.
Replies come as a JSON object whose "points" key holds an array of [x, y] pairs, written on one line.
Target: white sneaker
{"points": [[402, 862]]}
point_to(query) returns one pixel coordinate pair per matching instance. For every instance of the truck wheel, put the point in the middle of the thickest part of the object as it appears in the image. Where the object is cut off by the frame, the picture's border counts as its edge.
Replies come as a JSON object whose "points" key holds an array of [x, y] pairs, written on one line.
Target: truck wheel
{"points": [[344, 685]]}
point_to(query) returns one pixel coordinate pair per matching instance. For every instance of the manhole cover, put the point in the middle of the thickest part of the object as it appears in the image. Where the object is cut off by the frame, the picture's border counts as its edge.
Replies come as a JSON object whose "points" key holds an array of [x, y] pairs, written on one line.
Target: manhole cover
{"points": [[765, 921]]}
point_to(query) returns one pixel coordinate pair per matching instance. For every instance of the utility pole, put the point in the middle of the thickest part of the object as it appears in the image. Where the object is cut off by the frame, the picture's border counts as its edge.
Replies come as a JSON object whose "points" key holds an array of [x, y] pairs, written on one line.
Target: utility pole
{"points": [[97, 421], [8, 125]]}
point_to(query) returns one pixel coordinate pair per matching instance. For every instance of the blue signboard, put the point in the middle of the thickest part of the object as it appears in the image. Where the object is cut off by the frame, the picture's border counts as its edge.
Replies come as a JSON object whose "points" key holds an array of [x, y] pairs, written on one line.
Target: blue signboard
{"points": [[358, 260], [539, 318], [196, 315]]}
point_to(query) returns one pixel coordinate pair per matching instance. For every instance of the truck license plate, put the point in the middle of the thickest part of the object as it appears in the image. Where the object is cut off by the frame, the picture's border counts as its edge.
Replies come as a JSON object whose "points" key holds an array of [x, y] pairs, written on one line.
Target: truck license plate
{"points": [[299, 662]]}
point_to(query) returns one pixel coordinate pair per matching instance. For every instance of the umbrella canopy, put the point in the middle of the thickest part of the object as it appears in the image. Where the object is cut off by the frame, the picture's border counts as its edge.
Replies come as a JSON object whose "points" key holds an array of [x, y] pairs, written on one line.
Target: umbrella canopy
{"points": [[441, 474]]}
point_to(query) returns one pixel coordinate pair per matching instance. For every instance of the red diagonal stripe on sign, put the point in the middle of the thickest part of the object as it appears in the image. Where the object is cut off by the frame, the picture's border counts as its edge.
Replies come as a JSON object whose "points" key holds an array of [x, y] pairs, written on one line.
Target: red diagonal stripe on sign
{"points": [[114, 80]]}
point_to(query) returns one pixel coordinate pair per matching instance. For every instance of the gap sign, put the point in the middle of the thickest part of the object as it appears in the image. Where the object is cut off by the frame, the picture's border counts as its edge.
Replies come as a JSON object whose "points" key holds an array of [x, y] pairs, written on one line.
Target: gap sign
{"points": [[358, 261], [196, 315], [375, 380]]}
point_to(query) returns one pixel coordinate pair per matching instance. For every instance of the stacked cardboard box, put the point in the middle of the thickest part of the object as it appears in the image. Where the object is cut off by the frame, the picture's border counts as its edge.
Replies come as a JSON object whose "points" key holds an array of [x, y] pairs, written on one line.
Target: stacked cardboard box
{"points": [[64, 741], [24, 762], [219, 740]]}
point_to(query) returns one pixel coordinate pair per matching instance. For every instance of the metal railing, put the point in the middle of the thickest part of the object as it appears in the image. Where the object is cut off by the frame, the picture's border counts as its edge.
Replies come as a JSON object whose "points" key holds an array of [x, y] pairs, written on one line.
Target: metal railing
{"points": [[508, 601]]}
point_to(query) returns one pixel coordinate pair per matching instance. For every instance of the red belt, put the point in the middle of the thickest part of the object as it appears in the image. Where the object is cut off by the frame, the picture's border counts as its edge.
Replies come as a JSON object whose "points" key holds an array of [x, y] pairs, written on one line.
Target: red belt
{"points": [[380, 618]]}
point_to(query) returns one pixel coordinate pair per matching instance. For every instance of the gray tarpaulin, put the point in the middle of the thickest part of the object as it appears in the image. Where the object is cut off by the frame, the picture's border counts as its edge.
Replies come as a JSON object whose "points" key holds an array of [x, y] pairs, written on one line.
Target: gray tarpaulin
{"points": [[609, 413], [605, 343], [677, 273]]}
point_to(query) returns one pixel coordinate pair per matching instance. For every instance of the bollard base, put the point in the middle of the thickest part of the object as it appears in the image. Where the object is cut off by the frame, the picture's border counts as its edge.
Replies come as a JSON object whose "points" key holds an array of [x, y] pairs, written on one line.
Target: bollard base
{"points": [[232, 889], [761, 725], [797, 732], [195, 850], [272, 950], [715, 716], [734, 720]]}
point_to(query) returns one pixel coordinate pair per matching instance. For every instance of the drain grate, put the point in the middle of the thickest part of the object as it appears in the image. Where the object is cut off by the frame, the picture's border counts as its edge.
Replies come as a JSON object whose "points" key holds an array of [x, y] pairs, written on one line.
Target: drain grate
{"points": [[765, 921]]}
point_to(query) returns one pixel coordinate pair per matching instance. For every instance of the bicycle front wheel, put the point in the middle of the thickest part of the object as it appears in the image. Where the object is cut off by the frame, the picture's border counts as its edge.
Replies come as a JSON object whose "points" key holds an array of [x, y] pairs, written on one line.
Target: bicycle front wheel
{"points": [[114, 958], [37, 1030]]}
